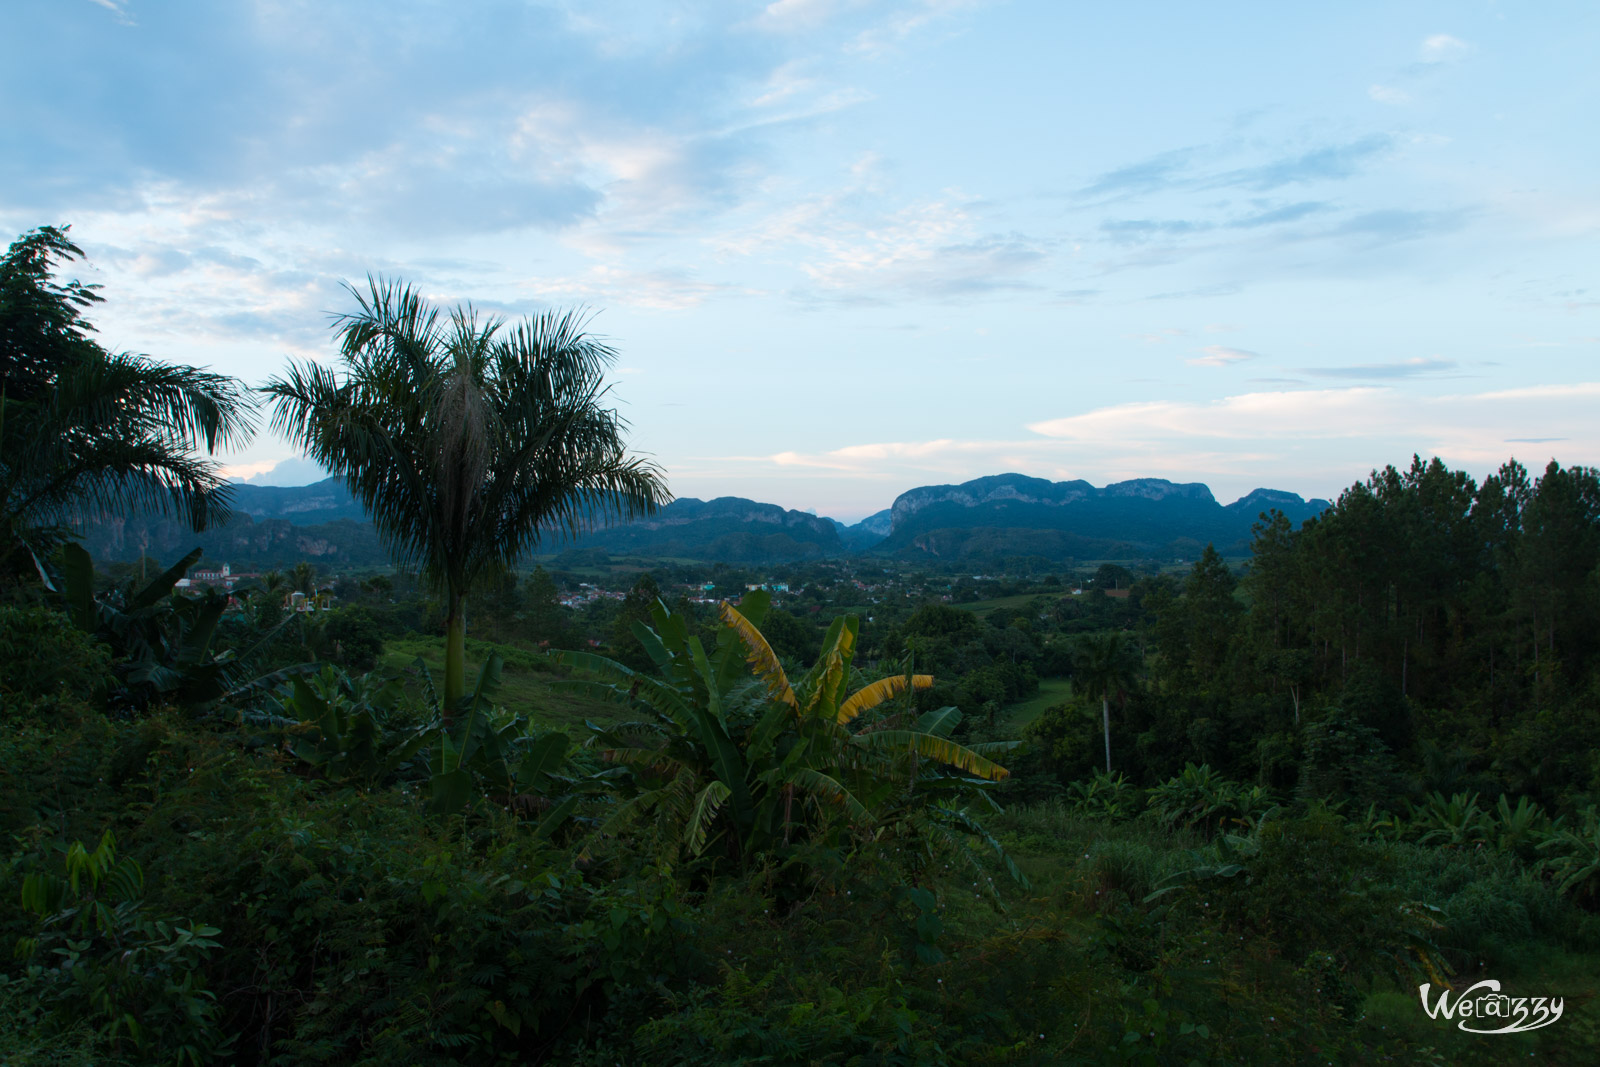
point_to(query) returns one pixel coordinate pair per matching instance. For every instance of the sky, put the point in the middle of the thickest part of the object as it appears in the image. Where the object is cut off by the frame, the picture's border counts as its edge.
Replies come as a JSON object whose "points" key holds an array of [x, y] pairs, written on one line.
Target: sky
{"points": [[849, 247]]}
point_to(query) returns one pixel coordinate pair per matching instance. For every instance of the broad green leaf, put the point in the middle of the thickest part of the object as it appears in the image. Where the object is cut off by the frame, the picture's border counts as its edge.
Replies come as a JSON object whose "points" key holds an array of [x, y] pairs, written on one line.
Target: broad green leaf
{"points": [[162, 584]]}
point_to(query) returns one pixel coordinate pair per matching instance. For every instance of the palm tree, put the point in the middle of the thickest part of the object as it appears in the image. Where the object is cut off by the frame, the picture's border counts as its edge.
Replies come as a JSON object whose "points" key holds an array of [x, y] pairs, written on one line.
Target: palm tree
{"points": [[83, 430], [304, 578], [467, 440], [1105, 668]]}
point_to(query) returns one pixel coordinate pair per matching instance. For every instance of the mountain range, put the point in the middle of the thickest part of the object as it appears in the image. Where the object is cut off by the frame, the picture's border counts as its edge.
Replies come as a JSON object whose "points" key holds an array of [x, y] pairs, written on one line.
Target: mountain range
{"points": [[988, 518]]}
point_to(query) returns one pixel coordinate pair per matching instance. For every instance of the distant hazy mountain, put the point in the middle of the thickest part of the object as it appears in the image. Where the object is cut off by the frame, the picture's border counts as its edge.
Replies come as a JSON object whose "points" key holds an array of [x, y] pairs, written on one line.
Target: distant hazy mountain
{"points": [[244, 543], [866, 533], [728, 529], [1014, 515], [272, 526], [303, 505], [1003, 515]]}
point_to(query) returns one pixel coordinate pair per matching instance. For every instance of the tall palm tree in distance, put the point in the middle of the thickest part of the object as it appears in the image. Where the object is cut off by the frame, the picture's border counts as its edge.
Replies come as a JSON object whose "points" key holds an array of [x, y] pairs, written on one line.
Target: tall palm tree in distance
{"points": [[1105, 667], [467, 440]]}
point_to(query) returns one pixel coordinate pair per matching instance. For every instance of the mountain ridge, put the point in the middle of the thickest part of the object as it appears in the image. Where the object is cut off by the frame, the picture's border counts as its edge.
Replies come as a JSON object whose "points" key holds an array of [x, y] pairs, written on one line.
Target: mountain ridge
{"points": [[992, 516]]}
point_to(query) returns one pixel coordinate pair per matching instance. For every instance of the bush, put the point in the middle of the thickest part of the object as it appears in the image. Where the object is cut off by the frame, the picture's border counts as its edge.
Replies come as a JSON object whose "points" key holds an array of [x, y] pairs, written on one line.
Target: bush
{"points": [[1314, 886], [100, 960], [42, 655]]}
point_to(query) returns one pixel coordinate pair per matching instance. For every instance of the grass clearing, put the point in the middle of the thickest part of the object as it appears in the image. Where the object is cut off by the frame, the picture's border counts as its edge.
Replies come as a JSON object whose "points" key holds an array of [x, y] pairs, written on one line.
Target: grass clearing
{"points": [[1052, 691], [1018, 602], [525, 681]]}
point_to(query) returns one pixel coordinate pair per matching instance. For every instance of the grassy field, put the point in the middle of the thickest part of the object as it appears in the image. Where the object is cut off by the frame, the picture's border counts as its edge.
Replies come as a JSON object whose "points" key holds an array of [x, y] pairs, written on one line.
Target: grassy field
{"points": [[1052, 691], [1013, 603], [525, 682]]}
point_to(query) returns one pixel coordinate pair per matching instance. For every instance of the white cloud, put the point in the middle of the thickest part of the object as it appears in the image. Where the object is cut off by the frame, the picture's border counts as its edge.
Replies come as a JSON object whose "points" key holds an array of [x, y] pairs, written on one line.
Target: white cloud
{"points": [[119, 8], [662, 290], [1471, 426], [1222, 356], [1442, 47], [789, 15], [1387, 94], [908, 20], [851, 246]]}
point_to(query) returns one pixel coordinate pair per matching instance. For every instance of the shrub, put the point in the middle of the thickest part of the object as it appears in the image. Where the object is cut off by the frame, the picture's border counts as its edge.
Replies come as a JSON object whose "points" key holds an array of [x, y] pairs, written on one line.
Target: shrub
{"points": [[42, 655], [100, 960], [1314, 886]]}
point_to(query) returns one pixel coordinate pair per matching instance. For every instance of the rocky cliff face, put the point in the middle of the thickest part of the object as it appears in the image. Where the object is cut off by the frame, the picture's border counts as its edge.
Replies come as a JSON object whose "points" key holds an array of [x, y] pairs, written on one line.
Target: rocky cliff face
{"points": [[737, 510], [1020, 489], [1001, 487], [1014, 515], [729, 528], [1292, 505], [1159, 489], [303, 505]]}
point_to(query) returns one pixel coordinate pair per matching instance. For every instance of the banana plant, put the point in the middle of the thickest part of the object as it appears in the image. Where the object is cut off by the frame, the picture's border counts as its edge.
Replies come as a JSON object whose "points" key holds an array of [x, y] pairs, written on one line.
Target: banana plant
{"points": [[735, 754], [343, 725], [1104, 796], [1197, 797], [162, 642], [1521, 829], [1454, 823], [482, 753], [1575, 858]]}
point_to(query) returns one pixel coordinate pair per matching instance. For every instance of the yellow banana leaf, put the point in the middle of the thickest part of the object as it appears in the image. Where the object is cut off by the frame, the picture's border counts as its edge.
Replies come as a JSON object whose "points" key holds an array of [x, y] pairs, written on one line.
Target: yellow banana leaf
{"points": [[871, 696], [763, 661]]}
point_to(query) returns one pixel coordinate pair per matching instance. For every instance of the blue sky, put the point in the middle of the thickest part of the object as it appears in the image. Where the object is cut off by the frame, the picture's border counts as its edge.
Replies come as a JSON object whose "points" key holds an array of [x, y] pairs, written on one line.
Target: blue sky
{"points": [[848, 247]]}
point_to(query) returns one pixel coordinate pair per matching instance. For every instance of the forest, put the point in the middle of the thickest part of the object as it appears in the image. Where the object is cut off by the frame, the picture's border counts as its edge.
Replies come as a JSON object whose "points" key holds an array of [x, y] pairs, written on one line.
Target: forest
{"points": [[1234, 812]]}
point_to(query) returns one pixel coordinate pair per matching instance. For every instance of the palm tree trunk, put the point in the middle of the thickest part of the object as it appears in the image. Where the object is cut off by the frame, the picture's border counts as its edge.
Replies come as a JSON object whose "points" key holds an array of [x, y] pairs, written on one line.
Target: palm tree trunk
{"points": [[455, 652], [1105, 716]]}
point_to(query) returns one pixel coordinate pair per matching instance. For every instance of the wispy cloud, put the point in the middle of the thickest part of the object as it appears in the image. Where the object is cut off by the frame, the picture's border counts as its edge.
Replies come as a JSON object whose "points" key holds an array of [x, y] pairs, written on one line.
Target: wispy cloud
{"points": [[1222, 356], [1182, 169], [1158, 172], [118, 8], [852, 247], [1285, 213], [1468, 426], [663, 290], [1406, 368], [1442, 47]]}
